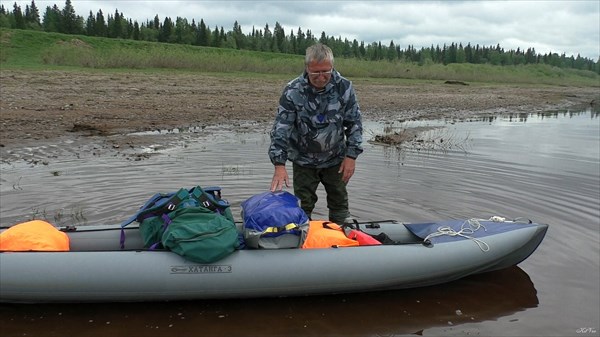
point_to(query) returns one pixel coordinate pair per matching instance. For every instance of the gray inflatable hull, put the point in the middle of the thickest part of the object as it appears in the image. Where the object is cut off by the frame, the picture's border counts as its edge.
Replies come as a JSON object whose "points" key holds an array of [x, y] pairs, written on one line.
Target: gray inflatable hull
{"points": [[97, 270]]}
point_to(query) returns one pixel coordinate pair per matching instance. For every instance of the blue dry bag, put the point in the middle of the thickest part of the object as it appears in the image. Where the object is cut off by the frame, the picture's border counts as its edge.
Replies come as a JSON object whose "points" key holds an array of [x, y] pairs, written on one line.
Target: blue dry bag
{"points": [[273, 220]]}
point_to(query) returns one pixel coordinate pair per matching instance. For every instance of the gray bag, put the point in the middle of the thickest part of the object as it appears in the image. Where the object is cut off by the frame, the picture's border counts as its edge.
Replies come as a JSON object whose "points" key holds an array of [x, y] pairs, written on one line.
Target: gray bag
{"points": [[256, 239]]}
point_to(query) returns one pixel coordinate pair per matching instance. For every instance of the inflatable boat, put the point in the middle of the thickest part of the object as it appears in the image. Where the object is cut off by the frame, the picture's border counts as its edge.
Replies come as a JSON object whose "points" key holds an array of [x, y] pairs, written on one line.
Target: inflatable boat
{"points": [[97, 269]]}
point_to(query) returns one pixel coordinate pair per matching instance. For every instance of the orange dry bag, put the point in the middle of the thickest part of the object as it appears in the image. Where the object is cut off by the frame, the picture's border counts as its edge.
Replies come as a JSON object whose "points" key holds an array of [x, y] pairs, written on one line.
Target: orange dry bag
{"points": [[363, 238], [35, 235], [325, 234]]}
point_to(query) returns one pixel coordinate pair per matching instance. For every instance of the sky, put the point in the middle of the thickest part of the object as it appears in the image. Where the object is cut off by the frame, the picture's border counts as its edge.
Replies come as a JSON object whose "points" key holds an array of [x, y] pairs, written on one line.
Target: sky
{"points": [[570, 26]]}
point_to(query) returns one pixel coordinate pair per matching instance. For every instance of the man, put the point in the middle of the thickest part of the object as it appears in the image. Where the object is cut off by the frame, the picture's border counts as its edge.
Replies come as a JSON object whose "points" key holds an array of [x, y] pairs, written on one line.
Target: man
{"points": [[318, 128]]}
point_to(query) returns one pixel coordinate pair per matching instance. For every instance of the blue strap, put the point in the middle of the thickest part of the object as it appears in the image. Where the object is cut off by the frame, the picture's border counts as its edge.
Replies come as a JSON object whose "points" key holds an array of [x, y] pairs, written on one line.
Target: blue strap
{"points": [[166, 222], [157, 200], [147, 205]]}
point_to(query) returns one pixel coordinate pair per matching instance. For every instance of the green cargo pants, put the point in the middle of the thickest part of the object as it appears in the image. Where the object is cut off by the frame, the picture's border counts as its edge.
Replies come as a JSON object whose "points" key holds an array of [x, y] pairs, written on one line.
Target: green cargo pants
{"points": [[306, 181]]}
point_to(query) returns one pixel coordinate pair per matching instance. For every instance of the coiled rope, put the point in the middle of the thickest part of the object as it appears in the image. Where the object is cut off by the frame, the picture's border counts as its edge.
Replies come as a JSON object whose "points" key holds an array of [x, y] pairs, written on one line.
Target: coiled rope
{"points": [[467, 228]]}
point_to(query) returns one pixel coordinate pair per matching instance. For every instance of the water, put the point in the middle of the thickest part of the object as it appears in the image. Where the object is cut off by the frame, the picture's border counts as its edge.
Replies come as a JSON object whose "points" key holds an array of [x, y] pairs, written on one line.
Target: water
{"points": [[544, 167]]}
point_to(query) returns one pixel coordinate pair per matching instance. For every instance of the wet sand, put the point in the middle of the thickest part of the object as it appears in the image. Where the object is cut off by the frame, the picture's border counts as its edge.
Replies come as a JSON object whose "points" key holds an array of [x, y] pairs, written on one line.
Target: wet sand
{"points": [[38, 108]]}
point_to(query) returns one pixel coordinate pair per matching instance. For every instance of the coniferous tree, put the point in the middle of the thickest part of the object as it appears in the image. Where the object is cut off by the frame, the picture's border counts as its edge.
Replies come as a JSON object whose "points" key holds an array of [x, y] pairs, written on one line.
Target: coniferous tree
{"points": [[128, 31], [355, 50], [424, 56], [279, 44], [69, 23], [253, 42], [18, 17], [300, 42], [4, 20], [203, 34], [136, 31], [216, 38], [181, 31], [293, 44], [238, 36], [460, 54], [391, 52], [477, 55], [156, 22], [166, 30], [323, 38], [222, 36], [52, 19], [116, 25], [468, 53], [452, 53], [346, 49], [148, 32], [362, 50], [32, 17], [265, 42], [100, 27], [90, 25]]}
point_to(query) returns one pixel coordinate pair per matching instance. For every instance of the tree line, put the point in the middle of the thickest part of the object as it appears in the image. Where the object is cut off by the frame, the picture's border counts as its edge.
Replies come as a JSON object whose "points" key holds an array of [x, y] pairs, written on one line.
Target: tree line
{"points": [[269, 39]]}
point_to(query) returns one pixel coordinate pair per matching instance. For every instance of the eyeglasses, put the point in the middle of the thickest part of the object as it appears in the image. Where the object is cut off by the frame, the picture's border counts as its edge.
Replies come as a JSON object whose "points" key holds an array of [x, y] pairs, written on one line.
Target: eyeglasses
{"points": [[319, 73]]}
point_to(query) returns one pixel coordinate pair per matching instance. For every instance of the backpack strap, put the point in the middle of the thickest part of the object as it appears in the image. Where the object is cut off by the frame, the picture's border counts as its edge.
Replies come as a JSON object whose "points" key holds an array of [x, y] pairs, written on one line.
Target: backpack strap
{"points": [[158, 204], [164, 205], [150, 201], [166, 222], [210, 198]]}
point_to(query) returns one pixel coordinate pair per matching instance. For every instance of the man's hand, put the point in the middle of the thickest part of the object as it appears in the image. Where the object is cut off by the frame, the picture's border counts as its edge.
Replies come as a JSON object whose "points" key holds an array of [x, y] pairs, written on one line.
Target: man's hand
{"points": [[347, 169], [280, 177]]}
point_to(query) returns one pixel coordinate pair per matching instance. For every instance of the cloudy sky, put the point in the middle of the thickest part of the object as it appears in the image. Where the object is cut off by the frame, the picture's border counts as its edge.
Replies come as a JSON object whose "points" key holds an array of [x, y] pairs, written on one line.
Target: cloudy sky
{"points": [[569, 26]]}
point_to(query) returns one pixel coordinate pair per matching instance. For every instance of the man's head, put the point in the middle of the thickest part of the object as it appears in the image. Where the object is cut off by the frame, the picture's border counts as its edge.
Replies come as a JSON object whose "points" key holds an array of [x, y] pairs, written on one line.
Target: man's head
{"points": [[319, 64]]}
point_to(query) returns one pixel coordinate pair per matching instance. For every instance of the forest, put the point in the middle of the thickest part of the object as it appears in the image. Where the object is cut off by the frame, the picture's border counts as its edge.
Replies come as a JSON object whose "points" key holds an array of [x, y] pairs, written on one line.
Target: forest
{"points": [[267, 39]]}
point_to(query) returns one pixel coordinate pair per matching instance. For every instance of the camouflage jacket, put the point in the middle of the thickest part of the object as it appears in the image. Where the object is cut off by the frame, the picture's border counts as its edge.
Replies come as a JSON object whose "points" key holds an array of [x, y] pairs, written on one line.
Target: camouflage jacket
{"points": [[316, 129]]}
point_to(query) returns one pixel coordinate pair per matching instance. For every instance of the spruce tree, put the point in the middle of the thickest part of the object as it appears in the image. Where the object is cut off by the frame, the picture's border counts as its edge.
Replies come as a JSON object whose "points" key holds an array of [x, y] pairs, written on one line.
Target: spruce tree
{"points": [[68, 22], [100, 28], [18, 17], [32, 17], [90, 25]]}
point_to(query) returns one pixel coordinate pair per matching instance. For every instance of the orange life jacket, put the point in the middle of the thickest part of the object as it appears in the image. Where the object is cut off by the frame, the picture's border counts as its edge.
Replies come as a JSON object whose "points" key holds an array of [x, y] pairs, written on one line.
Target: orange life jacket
{"points": [[35, 235], [325, 234]]}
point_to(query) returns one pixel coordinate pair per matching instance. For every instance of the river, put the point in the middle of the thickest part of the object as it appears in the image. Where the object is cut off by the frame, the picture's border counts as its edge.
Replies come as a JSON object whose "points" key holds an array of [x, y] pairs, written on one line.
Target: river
{"points": [[540, 166]]}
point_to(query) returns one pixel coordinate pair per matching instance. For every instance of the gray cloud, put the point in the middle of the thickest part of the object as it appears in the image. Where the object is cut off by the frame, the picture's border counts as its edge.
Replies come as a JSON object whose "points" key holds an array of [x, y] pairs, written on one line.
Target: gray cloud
{"points": [[571, 27]]}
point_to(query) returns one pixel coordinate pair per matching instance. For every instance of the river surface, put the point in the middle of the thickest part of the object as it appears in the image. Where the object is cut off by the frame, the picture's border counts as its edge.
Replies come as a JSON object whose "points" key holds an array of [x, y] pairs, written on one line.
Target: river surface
{"points": [[544, 167]]}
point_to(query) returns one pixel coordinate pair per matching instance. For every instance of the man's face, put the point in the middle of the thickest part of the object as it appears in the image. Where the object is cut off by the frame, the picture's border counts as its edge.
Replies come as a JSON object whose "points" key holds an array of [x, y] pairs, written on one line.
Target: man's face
{"points": [[319, 73]]}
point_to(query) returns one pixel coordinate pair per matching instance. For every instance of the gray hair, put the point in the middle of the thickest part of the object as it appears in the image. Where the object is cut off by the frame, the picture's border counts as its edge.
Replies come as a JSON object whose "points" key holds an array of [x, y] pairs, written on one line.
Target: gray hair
{"points": [[318, 52]]}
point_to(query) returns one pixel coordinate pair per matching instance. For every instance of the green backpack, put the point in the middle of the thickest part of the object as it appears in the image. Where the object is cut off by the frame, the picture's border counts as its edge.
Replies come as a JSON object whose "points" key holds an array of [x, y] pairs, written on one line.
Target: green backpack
{"points": [[195, 224], [197, 233]]}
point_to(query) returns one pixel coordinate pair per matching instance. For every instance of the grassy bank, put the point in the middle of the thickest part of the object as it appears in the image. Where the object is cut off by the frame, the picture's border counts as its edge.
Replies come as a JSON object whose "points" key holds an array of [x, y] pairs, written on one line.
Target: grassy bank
{"points": [[26, 49]]}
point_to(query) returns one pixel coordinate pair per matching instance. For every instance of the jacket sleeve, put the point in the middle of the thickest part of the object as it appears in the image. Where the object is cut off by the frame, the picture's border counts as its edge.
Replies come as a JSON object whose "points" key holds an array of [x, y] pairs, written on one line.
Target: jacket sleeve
{"points": [[282, 127], [353, 124]]}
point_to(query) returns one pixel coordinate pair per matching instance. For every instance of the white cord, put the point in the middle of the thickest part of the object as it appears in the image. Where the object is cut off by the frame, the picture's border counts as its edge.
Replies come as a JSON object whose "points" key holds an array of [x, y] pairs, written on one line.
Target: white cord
{"points": [[468, 227]]}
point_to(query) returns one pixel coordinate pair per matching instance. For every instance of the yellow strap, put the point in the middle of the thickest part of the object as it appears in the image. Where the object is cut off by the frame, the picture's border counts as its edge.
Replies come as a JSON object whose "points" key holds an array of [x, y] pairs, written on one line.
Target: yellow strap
{"points": [[287, 227]]}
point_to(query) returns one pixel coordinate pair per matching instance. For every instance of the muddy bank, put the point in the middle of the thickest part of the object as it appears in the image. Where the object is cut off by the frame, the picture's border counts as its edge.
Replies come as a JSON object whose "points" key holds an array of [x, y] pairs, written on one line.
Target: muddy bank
{"points": [[99, 111]]}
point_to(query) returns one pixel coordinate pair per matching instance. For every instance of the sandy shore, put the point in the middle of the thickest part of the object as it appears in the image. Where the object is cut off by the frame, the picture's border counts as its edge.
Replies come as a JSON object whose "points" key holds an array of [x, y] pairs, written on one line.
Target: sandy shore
{"points": [[40, 107]]}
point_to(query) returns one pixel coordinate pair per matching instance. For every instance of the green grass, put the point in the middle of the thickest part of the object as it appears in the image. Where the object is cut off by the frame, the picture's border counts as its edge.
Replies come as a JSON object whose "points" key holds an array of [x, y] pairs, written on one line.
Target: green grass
{"points": [[27, 49]]}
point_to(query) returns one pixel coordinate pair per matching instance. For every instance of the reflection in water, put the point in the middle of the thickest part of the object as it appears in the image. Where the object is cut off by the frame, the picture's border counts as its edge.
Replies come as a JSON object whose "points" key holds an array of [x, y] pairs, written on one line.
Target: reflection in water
{"points": [[474, 299]]}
